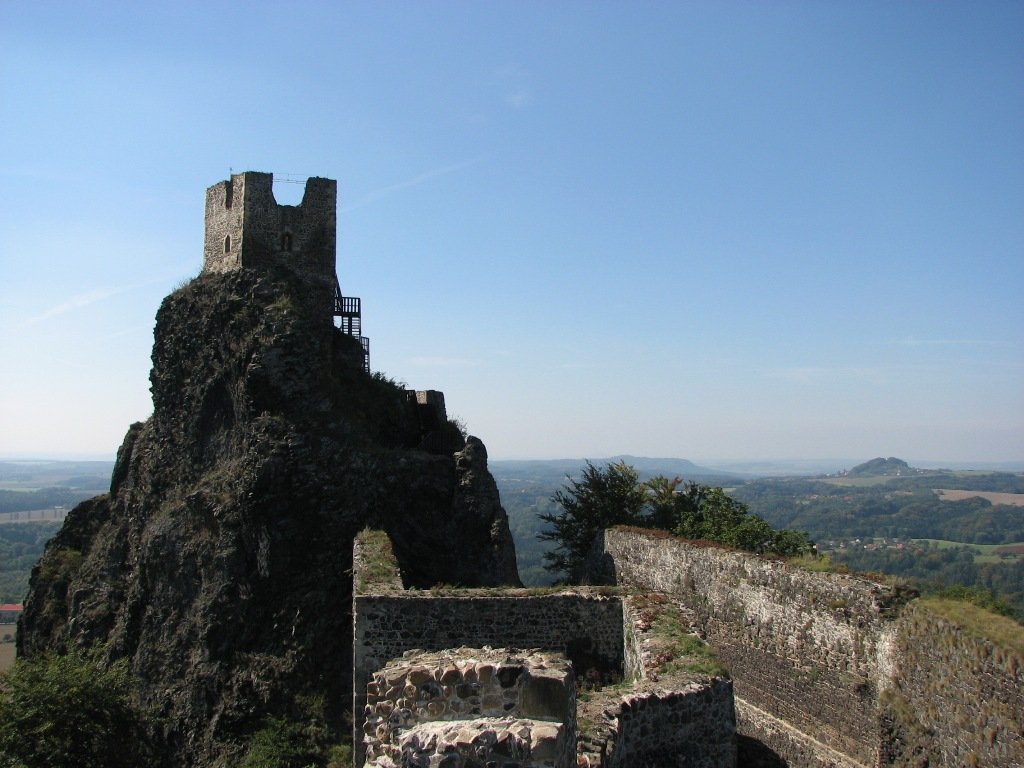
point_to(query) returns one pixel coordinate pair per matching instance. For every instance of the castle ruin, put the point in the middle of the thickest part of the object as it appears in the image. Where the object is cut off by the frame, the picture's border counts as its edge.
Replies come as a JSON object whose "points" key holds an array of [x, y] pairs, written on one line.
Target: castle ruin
{"points": [[246, 228]]}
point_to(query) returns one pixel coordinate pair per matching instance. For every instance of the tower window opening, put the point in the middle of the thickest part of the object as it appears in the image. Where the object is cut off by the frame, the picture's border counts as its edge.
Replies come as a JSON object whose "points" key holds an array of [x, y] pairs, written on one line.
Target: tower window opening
{"points": [[286, 241], [227, 243]]}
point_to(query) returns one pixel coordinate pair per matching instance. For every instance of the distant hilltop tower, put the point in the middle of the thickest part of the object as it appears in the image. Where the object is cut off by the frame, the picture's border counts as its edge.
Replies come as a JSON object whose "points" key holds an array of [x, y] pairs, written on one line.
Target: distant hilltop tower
{"points": [[247, 229]]}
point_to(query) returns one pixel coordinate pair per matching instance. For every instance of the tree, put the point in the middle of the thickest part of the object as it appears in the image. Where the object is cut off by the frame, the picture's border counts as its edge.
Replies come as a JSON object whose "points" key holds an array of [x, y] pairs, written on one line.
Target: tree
{"points": [[69, 712], [600, 499], [615, 496]]}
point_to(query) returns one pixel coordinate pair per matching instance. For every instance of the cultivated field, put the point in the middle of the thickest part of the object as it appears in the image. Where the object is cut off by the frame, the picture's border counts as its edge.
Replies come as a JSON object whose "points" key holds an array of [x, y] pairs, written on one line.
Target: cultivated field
{"points": [[6, 649], [1011, 499], [985, 553]]}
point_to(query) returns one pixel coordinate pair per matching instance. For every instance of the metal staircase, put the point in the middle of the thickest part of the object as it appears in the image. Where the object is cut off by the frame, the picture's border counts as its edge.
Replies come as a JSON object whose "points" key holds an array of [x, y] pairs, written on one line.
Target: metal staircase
{"points": [[349, 310]]}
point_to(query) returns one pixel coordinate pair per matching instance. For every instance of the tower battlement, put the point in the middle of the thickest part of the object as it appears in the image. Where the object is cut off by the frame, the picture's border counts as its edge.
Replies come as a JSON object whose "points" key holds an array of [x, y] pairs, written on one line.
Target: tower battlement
{"points": [[246, 228]]}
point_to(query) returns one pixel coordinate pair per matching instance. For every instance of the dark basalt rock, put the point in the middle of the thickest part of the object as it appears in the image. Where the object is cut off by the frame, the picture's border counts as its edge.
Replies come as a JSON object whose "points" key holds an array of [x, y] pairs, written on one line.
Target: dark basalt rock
{"points": [[220, 562]]}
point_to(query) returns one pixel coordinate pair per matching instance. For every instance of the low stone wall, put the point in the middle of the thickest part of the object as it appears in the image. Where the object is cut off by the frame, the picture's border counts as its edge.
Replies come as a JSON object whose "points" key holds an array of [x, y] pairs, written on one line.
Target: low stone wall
{"points": [[675, 706], [957, 698], [667, 711], [585, 626], [811, 649], [836, 670], [480, 705], [692, 725]]}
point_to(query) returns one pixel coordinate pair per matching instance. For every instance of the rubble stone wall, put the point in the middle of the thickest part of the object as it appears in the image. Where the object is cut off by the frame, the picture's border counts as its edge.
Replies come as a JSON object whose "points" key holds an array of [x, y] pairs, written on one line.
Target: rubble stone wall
{"points": [[518, 709], [694, 726], [958, 699], [812, 649]]}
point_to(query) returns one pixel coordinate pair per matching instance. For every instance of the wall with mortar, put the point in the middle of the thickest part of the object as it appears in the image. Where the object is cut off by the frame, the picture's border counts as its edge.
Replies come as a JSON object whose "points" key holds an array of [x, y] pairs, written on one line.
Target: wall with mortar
{"points": [[692, 726], [681, 715], [469, 706], [957, 698], [246, 228], [385, 626], [808, 649], [387, 622]]}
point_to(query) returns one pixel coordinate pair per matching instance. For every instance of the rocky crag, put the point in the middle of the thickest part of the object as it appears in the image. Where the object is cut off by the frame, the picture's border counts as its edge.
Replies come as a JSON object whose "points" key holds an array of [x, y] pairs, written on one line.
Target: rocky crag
{"points": [[219, 563]]}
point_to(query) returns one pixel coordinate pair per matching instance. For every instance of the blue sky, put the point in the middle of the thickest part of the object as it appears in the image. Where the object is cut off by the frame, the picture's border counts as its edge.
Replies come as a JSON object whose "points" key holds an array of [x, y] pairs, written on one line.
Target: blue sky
{"points": [[708, 230]]}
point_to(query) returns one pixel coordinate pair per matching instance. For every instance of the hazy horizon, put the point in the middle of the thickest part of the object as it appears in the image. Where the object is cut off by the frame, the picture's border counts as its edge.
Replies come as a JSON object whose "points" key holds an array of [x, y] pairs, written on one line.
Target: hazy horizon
{"points": [[725, 464]]}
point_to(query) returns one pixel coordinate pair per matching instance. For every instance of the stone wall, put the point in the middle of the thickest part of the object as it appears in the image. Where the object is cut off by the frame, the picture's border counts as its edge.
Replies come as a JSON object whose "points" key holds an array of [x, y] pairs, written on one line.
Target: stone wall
{"points": [[811, 649], [692, 725], [246, 228], [837, 670], [957, 698], [584, 626], [675, 706], [664, 711], [472, 706]]}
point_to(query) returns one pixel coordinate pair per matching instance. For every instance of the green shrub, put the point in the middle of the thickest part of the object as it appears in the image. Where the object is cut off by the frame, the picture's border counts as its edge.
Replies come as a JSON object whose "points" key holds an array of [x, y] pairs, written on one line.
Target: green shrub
{"points": [[302, 741], [279, 744], [69, 711]]}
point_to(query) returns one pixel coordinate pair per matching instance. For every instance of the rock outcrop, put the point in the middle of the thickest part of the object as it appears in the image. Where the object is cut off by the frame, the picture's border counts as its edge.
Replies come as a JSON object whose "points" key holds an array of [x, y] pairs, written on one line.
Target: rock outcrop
{"points": [[220, 562]]}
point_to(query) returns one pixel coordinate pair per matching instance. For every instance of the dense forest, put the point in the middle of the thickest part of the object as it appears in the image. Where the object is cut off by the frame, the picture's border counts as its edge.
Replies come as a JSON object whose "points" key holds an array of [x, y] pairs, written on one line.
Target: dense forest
{"points": [[905, 507], [21, 544]]}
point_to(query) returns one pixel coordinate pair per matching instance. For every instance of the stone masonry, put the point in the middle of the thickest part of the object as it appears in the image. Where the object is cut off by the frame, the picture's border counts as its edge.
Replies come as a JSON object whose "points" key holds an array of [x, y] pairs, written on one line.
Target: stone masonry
{"points": [[472, 707], [663, 711], [247, 229], [835, 670]]}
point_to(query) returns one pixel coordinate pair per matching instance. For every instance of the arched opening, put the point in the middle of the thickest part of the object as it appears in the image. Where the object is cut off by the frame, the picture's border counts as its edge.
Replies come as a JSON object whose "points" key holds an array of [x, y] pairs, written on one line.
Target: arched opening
{"points": [[286, 241], [227, 243]]}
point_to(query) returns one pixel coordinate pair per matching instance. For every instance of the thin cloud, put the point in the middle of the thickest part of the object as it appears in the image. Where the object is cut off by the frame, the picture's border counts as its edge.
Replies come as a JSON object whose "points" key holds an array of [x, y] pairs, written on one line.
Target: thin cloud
{"points": [[78, 301], [88, 298], [415, 181]]}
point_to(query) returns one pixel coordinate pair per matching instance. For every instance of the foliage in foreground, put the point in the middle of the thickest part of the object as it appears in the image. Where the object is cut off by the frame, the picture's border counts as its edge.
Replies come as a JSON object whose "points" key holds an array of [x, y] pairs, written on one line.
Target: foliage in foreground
{"points": [[614, 495], [303, 742], [69, 712]]}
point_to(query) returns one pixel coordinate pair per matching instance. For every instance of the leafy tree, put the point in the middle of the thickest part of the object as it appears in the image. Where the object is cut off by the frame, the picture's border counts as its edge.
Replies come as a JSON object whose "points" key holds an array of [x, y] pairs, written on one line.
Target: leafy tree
{"points": [[69, 712], [713, 515], [663, 502], [600, 499], [615, 496]]}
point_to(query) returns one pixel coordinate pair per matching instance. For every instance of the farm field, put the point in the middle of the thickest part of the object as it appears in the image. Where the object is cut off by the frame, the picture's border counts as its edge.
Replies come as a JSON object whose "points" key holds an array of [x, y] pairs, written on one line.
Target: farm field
{"points": [[1010, 499], [985, 553], [6, 649]]}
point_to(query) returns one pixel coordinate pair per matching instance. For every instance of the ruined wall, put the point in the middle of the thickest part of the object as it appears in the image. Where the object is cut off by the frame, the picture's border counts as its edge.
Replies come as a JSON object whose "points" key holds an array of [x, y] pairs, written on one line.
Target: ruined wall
{"points": [[387, 621], [957, 698], [692, 726], [246, 228], [385, 626], [469, 706], [810, 649], [665, 709]]}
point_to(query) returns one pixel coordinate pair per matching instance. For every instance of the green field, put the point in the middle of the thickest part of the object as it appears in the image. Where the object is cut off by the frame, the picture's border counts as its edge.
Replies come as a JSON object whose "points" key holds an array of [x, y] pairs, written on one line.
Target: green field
{"points": [[860, 482], [985, 553]]}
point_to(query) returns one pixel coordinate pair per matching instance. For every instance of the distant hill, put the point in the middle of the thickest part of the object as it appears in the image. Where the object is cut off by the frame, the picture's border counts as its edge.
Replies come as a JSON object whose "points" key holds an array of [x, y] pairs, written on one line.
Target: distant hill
{"points": [[557, 469], [880, 467]]}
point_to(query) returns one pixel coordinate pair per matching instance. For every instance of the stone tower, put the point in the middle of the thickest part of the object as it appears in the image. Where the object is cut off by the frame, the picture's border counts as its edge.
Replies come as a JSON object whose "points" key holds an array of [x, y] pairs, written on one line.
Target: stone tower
{"points": [[247, 229]]}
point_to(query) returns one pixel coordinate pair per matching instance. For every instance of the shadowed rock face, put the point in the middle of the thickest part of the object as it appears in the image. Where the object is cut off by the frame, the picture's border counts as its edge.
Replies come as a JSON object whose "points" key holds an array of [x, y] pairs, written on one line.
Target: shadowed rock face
{"points": [[219, 563]]}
